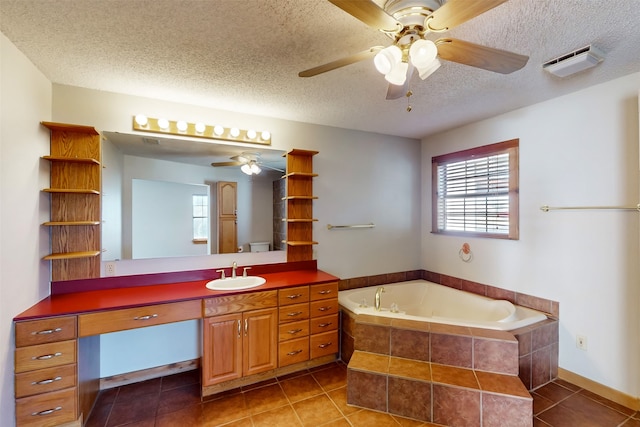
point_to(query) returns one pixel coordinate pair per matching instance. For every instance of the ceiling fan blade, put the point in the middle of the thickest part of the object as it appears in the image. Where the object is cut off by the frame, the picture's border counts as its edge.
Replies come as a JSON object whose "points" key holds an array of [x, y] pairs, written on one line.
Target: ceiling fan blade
{"points": [[475, 55], [263, 165], [396, 91], [218, 164], [369, 13], [348, 60], [455, 12]]}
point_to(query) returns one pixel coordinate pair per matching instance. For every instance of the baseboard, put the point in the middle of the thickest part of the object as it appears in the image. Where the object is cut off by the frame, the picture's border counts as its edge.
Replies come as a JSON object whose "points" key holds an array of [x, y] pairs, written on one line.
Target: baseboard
{"points": [[148, 374], [600, 389]]}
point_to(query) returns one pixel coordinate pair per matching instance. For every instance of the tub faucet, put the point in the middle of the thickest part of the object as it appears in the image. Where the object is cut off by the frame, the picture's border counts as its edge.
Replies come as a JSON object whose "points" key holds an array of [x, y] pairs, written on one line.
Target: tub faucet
{"points": [[379, 292], [234, 267]]}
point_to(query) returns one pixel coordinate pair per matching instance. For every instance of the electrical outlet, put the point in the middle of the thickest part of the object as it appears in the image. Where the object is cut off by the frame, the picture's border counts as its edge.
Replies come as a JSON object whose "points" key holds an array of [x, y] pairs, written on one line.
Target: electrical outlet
{"points": [[581, 342], [109, 268]]}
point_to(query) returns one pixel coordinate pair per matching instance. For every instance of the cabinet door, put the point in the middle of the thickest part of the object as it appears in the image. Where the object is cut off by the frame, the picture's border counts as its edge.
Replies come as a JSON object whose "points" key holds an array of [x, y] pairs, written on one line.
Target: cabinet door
{"points": [[260, 341], [222, 349]]}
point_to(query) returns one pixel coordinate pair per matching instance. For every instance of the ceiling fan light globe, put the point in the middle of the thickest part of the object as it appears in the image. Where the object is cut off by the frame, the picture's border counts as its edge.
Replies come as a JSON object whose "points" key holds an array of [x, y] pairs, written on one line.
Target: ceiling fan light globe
{"points": [[387, 58], [398, 75], [246, 169], [255, 168], [422, 53], [427, 71]]}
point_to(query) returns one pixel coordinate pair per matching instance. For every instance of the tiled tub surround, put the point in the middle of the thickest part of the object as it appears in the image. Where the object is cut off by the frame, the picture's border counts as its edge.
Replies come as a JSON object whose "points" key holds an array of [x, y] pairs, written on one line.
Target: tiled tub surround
{"points": [[537, 344], [424, 370]]}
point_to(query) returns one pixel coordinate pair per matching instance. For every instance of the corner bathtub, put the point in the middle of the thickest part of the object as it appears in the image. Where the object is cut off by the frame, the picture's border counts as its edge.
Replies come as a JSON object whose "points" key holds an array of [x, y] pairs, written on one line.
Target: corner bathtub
{"points": [[429, 302]]}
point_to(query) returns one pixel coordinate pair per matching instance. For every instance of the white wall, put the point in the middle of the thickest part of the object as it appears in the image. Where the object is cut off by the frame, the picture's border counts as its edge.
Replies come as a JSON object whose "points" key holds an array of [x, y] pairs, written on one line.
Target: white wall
{"points": [[576, 150], [25, 100]]}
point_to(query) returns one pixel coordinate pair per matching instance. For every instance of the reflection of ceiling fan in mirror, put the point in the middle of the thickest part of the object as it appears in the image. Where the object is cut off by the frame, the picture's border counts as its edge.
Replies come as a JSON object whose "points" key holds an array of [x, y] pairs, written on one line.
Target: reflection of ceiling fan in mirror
{"points": [[408, 23], [249, 163]]}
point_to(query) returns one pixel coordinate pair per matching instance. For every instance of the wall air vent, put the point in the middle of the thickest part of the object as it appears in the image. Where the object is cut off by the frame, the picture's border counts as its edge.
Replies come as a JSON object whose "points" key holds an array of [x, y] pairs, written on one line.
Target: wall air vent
{"points": [[574, 62]]}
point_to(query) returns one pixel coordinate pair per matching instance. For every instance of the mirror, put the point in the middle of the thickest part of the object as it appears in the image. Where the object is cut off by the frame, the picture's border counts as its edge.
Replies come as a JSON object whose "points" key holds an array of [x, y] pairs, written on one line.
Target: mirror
{"points": [[160, 196]]}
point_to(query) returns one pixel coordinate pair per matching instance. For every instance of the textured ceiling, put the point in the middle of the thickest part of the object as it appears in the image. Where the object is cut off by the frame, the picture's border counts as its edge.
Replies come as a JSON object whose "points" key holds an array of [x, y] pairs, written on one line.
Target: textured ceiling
{"points": [[245, 55]]}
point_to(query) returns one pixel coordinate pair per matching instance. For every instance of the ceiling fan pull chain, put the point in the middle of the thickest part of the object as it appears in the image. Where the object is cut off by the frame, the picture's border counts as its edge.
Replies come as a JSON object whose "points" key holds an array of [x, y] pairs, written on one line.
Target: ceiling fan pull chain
{"points": [[408, 95]]}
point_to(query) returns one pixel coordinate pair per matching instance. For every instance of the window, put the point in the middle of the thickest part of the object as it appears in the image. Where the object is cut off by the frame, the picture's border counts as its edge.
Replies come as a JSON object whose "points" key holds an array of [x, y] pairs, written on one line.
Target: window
{"points": [[200, 218], [475, 191]]}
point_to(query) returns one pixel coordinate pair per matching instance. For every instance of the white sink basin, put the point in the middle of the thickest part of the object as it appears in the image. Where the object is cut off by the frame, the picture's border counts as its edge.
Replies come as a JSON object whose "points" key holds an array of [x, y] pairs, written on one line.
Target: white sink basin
{"points": [[231, 283]]}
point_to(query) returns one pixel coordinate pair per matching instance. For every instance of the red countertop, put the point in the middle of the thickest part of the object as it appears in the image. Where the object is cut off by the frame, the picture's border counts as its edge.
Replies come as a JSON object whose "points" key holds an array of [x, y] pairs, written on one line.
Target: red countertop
{"points": [[138, 296]]}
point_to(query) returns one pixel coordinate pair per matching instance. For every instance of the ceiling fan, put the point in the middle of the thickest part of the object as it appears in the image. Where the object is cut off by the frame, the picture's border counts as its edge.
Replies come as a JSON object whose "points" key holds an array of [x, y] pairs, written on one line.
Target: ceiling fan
{"points": [[408, 23], [249, 163]]}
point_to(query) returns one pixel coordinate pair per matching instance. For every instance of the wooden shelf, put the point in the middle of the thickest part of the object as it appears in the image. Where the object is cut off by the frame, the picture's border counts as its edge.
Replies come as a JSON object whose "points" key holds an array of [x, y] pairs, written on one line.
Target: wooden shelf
{"points": [[71, 159], [299, 219], [65, 127], [71, 190], [70, 223], [72, 255], [75, 187]]}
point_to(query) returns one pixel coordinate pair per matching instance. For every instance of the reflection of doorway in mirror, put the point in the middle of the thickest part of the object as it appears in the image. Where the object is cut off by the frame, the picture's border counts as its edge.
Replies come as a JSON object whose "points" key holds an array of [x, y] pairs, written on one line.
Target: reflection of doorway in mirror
{"points": [[227, 202], [162, 219]]}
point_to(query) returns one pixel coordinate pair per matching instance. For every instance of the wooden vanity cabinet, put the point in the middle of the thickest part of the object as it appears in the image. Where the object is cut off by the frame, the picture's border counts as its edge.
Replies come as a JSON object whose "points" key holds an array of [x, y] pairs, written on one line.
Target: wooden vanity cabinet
{"points": [[293, 330], [46, 373], [308, 323], [239, 336]]}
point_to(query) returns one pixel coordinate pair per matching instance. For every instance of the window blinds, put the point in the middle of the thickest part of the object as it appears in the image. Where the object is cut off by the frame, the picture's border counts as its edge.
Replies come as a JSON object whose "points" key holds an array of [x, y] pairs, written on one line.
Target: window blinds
{"points": [[473, 195]]}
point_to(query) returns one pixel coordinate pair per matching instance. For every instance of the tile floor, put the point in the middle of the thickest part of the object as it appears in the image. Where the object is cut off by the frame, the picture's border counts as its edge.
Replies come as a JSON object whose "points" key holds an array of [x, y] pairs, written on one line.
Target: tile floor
{"points": [[316, 397]]}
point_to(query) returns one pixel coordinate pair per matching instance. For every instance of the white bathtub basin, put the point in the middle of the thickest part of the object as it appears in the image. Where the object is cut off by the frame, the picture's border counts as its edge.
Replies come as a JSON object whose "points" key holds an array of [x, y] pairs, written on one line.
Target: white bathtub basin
{"points": [[233, 283]]}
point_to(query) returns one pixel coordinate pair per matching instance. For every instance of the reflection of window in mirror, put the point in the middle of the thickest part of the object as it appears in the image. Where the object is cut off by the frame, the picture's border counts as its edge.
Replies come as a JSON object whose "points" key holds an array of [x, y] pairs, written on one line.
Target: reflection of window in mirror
{"points": [[200, 218]]}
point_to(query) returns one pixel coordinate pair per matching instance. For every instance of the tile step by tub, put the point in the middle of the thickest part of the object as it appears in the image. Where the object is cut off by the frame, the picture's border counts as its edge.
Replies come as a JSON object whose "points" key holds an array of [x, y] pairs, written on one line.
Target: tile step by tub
{"points": [[441, 394]]}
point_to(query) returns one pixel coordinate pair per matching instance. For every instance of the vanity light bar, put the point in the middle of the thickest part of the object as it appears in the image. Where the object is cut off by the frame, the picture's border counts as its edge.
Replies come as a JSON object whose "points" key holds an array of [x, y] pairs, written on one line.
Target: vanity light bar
{"points": [[199, 130]]}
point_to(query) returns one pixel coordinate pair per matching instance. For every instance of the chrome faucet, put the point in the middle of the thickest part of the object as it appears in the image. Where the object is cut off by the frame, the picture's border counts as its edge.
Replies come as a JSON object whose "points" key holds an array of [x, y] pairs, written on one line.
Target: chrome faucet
{"points": [[379, 292], [234, 267]]}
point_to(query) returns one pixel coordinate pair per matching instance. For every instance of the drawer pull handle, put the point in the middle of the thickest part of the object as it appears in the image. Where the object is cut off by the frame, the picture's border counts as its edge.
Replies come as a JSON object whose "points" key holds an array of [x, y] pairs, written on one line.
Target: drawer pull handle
{"points": [[46, 356], [325, 345], [48, 411], [239, 328], [325, 291], [294, 331], [324, 308], [294, 313], [46, 331], [246, 327], [294, 296], [49, 381], [324, 325], [147, 317], [294, 352]]}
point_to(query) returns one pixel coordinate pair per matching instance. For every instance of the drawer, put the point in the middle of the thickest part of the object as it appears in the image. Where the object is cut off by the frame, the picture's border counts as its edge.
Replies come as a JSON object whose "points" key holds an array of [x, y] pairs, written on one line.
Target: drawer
{"points": [[324, 324], [47, 409], [239, 303], [293, 351], [291, 313], [293, 330], [293, 295], [139, 317], [45, 380], [323, 344], [323, 308], [46, 330], [45, 355], [324, 291]]}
